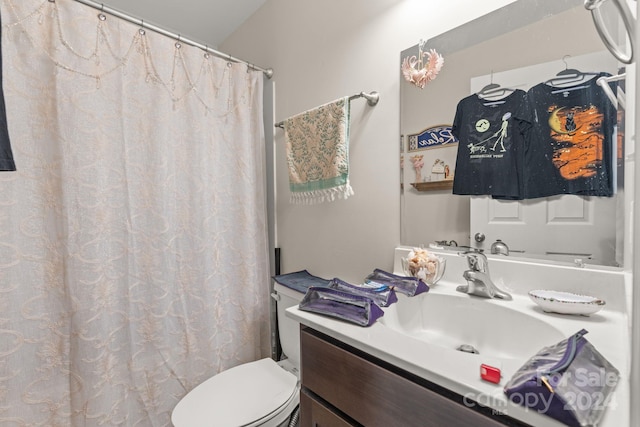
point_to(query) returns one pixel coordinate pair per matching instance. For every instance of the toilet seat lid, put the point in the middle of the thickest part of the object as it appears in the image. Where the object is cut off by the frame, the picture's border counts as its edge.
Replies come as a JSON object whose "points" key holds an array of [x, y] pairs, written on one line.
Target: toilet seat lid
{"points": [[236, 397]]}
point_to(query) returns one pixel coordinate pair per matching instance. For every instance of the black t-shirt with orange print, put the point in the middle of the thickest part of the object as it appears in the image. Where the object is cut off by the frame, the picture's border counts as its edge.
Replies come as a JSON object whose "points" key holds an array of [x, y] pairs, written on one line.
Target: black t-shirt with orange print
{"points": [[569, 148]]}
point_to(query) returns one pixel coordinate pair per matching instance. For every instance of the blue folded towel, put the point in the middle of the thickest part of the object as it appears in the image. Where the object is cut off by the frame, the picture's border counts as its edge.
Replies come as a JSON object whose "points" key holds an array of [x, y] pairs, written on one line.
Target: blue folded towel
{"points": [[301, 281]]}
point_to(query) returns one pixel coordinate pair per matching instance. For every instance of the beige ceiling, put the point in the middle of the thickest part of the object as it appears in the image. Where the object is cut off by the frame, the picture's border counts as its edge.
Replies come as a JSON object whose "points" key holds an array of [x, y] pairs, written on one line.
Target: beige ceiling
{"points": [[206, 21]]}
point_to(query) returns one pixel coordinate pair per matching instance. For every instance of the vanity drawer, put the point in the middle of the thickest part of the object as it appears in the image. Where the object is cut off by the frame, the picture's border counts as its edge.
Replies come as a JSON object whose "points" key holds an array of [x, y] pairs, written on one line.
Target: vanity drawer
{"points": [[372, 395], [315, 414]]}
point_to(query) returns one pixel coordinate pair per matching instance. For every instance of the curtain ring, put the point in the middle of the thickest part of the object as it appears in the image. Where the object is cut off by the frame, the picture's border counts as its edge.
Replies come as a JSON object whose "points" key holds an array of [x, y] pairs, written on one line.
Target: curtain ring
{"points": [[178, 44], [142, 31], [101, 15], [206, 51]]}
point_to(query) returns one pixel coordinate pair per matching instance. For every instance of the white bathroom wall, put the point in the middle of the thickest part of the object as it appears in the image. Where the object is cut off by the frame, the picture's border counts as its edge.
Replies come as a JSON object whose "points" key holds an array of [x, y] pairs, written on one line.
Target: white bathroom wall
{"points": [[320, 51]]}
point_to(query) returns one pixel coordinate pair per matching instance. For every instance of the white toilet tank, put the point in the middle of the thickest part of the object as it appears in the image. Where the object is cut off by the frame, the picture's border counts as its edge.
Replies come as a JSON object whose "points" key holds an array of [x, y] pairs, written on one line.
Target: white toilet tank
{"points": [[288, 328]]}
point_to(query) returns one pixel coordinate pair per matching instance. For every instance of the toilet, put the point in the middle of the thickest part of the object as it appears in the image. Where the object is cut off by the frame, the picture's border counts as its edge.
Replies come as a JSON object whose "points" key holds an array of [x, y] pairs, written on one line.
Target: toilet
{"points": [[263, 393]]}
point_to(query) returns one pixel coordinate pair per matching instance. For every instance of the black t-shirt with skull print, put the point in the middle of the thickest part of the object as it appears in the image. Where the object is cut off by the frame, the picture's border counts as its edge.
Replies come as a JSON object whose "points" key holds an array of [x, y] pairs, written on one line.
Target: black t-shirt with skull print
{"points": [[491, 136]]}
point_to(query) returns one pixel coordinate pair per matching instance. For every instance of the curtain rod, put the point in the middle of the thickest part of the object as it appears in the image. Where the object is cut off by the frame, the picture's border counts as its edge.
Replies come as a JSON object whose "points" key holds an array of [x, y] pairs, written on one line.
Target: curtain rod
{"points": [[144, 25], [372, 99]]}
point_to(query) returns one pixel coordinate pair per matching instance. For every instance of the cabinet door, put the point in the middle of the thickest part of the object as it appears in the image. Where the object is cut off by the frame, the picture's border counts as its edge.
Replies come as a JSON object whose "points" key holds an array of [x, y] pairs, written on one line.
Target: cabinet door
{"points": [[315, 414], [372, 395]]}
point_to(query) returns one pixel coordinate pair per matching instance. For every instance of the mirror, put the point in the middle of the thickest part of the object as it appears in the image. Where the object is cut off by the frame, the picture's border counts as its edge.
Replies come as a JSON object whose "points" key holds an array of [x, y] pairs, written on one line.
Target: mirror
{"points": [[518, 46]]}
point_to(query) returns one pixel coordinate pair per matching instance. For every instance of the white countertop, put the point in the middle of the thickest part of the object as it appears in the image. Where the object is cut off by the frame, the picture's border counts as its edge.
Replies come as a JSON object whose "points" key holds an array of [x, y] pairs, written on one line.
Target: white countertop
{"points": [[460, 372]]}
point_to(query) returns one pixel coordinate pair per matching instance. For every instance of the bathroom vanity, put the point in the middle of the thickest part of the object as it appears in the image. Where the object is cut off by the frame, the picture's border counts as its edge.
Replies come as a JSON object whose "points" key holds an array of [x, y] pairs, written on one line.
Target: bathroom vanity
{"points": [[342, 386], [405, 370]]}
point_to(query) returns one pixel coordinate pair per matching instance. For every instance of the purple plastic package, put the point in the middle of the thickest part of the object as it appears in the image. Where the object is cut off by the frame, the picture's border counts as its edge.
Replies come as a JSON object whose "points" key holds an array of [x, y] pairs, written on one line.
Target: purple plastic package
{"points": [[349, 307]]}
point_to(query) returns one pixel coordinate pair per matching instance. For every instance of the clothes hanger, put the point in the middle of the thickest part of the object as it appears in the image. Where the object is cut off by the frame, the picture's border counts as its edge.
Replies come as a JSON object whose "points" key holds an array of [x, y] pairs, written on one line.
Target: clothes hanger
{"points": [[494, 92], [570, 77], [620, 97]]}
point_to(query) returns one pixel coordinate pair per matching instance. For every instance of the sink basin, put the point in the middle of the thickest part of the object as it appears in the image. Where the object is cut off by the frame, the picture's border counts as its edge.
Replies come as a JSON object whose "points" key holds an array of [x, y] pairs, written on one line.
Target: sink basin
{"points": [[490, 327]]}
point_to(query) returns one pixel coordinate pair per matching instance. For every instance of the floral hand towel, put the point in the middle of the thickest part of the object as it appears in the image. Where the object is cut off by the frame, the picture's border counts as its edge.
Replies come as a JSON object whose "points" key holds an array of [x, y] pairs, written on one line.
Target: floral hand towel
{"points": [[318, 153]]}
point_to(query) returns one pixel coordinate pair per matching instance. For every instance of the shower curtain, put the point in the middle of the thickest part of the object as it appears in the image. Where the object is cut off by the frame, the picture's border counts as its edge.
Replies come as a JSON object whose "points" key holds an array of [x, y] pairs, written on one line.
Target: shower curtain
{"points": [[133, 237]]}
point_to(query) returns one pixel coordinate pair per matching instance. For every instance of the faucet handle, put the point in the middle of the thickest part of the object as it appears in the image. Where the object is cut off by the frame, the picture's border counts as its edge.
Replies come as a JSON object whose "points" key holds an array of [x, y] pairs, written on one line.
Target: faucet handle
{"points": [[499, 247], [477, 260]]}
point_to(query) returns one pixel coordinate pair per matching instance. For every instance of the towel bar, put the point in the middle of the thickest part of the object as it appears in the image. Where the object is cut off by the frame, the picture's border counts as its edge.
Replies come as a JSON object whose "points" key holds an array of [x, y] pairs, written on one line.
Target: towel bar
{"points": [[372, 99]]}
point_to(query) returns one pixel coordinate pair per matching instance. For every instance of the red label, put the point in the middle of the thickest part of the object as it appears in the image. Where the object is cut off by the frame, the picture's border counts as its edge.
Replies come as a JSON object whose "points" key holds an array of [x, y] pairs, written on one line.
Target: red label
{"points": [[489, 373]]}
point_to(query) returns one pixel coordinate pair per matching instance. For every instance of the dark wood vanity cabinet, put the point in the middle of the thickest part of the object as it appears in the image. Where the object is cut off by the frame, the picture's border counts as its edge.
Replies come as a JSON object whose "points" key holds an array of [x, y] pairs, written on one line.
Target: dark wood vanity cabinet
{"points": [[318, 414], [343, 386]]}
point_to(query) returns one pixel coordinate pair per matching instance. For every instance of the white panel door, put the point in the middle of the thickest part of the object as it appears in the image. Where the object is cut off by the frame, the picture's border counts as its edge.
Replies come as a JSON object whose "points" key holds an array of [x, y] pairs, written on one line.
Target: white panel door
{"points": [[564, 227], [561, 227]]}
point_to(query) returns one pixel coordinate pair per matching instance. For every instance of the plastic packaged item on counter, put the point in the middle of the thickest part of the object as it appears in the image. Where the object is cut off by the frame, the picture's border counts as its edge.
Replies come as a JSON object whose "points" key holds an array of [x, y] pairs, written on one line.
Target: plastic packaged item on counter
{"points": [[381, 294], [407, 285], [569, 381], [301, 280], [341, 305]]}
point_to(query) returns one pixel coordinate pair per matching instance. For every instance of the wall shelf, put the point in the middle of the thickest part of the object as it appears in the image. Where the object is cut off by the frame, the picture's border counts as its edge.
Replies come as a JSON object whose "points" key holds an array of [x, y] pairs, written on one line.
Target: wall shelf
{"points": [[433, 185]]}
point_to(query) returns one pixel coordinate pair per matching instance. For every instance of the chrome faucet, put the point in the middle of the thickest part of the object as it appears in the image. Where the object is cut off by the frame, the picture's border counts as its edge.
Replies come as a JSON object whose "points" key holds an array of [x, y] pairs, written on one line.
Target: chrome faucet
{"points": [[478, 281], [499, 247]]}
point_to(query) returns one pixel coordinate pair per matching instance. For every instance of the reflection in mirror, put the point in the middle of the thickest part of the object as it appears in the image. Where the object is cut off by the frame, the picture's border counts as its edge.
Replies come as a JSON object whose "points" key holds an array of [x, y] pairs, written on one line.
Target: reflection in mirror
{"points": [[516, 47], [622, 48]]}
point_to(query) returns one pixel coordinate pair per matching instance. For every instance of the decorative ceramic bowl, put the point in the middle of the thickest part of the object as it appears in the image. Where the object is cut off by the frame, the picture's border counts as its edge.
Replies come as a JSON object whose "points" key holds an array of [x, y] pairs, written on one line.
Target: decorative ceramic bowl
{"points": [[566, 302]]}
